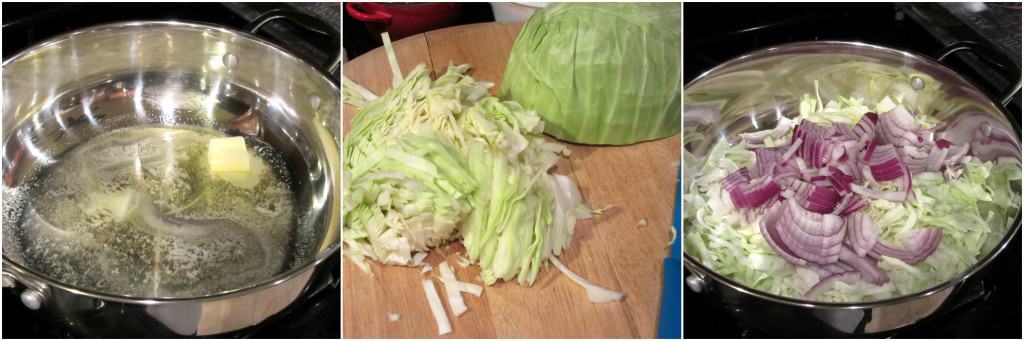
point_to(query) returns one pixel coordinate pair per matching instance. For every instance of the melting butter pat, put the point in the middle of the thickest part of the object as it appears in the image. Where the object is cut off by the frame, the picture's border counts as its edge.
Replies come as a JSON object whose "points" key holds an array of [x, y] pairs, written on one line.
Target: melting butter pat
{"points": [[248, 179], [228, 155]]}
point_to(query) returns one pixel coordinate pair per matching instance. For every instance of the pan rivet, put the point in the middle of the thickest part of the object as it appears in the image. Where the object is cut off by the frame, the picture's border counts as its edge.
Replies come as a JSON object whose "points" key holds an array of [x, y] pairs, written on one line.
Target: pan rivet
{"points": [[230, 61], [917, 83], [986, 128], [695, 283], [314, 101], [32, 299]]}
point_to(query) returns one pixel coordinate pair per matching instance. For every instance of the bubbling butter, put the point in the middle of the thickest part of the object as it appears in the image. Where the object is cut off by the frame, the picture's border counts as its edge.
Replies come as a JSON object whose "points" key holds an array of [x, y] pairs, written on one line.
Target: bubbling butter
{"points": [[144, 212]]}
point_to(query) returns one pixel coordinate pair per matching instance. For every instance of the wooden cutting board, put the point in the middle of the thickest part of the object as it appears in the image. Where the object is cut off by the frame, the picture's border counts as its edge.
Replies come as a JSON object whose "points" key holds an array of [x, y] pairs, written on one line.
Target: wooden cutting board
{"points": [[613, 250]]}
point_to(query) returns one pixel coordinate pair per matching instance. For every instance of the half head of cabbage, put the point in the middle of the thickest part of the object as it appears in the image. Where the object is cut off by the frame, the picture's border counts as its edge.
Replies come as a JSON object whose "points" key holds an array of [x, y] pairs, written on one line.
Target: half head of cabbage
{"points": [[600, 73]]}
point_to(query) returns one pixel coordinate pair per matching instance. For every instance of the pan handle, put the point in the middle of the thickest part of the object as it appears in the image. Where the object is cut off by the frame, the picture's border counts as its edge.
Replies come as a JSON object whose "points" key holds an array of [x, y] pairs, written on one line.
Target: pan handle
{"points": [[305, 21], [990, 55]]}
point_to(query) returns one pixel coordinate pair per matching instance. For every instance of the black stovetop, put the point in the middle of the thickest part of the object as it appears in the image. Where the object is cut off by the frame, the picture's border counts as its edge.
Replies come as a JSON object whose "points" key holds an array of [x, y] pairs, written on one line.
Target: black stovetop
{"points": [[27, 24], [715, 33]]}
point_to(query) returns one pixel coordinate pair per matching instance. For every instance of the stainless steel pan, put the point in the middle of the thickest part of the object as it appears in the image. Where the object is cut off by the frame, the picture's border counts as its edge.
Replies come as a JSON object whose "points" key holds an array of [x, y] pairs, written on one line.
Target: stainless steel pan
{"points": [[749, 92], [83, 84]]}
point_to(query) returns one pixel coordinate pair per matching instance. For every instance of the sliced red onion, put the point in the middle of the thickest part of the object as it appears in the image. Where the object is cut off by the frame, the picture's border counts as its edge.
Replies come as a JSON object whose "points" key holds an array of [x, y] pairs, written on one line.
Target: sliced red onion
{"points": [[861, 233], [838, 152], [873, 117], [915, 158], [856, 203], [865, 128], [919, 244], [808, 173], [813, 148], [785, 170], [749, 193], [957, 153], [885, 164], [822, 200], [914, 151], [844, 132], [904, 193], [839, 179], [766, 160], [792, 149], [899, 117], [868, 268], [735, 179], [808, 130], [843, 151], [844, 157], [813, 237], [915, 165], [865, 173], [787, 194], [879, 194], [770, 225], [869, 150], [826, 153], [754, 194], [898, 127], [907, 185], [850, 168], [843, 203], [755, 182], [936, 158], [815, 198]]}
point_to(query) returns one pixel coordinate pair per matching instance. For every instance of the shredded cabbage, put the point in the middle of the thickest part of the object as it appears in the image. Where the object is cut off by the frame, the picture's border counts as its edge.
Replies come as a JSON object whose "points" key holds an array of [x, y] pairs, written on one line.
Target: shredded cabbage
{"points": [[968, 209], [432, 161]]}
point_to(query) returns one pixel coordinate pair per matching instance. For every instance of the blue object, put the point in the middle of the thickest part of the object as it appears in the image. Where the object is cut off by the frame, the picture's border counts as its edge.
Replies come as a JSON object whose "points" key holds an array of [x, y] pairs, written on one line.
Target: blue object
{"points": [[671, 290]]}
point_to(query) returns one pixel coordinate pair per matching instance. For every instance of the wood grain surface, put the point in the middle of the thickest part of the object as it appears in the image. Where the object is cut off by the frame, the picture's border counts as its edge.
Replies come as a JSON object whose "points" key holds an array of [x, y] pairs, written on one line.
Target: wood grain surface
{"points": [[613, 250]]}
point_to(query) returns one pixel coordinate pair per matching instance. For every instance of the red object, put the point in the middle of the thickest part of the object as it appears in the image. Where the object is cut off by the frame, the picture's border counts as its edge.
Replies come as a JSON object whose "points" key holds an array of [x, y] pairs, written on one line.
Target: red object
{"points": [[401, 20]]}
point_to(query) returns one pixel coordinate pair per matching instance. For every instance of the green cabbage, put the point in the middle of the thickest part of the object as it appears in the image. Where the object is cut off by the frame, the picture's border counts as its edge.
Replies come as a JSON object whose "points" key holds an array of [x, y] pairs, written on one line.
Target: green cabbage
{"points": [[605, 73], [969, 210], [433, 161]]}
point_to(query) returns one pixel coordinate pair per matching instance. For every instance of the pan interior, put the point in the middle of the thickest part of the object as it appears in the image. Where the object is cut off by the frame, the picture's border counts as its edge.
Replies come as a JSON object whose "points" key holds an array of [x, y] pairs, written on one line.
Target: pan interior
{"points": [[110, 190], [755, 92]]}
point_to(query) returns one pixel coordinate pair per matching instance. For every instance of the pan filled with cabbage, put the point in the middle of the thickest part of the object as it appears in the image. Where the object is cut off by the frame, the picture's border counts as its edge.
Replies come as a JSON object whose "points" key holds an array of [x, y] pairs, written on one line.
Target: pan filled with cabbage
{"points": [[843, 188]]}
